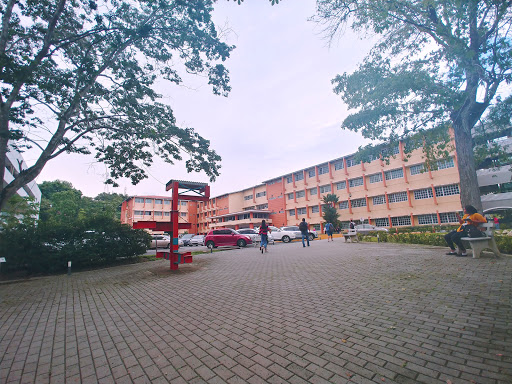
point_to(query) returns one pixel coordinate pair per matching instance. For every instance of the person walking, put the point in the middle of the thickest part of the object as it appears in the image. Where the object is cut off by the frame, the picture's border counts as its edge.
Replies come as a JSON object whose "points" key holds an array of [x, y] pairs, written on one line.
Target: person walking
{"points": [[329, 229], [467, 228], [303, 226], [264, 231]]}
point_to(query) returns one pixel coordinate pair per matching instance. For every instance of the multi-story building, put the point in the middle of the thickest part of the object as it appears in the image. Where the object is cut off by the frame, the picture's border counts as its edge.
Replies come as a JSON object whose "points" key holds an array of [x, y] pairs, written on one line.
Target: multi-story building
{"points": [[156, 208], [399, 193]]}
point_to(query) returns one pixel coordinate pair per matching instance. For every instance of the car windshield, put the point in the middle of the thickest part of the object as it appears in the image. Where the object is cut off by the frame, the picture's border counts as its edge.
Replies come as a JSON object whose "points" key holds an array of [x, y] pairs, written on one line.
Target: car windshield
{"points": [[188, 236]]}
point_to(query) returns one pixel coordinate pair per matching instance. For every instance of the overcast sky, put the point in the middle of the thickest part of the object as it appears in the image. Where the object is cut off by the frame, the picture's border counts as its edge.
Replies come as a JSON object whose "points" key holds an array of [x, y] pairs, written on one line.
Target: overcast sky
{"points": [[281, 115]]}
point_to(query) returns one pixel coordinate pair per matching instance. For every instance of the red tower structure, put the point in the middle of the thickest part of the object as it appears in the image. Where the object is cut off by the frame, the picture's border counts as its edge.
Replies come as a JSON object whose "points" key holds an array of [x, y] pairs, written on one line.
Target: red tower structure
{"points": [[200, 192]]}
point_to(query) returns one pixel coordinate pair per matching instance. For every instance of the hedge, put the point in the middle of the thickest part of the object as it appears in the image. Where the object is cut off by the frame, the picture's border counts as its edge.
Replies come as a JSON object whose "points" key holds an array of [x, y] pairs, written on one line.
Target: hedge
{"points": [[504, 243]]}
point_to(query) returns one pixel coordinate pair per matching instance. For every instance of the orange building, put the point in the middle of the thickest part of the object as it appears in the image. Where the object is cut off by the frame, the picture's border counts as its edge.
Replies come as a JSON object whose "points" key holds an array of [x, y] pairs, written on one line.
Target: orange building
{"points": [[399, 193]]}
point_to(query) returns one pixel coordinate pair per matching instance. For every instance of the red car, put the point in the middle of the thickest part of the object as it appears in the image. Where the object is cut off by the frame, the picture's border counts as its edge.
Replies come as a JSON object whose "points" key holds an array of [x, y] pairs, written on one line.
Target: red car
{"points": [[222, 237]]}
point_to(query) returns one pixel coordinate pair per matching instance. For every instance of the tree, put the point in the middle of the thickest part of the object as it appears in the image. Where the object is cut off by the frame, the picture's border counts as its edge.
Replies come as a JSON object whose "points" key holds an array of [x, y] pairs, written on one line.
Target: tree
{"points": [[438, 63], [78, 76], [330, 213]]}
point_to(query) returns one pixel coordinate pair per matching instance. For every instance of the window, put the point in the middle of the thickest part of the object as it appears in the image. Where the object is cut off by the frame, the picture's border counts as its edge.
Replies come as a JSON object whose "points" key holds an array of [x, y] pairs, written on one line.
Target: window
{"points": [[158, 213], [430, 218], [167, 213], [448, 217], [301, 211], [147, 213], [291, 212], [300, 194], [323, 169], [341, 185], [416, 169], [313, 191], [260, 194], [423, 194], [183, 214], [248, 197], [356, 203], [139, 200], [343, 204], [299, 176], [375, 178], [289, 179], [158, 201], [315, 209], [394, 174], [377, 200], [447, 190], [338, 165], [262, 206], [350, 163], [138, 213], [311, 172], [290, 196], [445, 163], [397, 197], [325, 188], [395, 150], [401, 220], [382, 222], [183, 203], [167, 202], [355, 182], [149, 201]]}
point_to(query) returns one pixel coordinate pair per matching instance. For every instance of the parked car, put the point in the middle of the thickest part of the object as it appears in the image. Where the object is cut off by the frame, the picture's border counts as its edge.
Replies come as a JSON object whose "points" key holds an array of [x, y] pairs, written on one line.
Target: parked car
{"points": [[160, 241], [281, 235], [196, 240], [366, 228], [312, 232], [254, 235], [221, 237], [186, 239]]}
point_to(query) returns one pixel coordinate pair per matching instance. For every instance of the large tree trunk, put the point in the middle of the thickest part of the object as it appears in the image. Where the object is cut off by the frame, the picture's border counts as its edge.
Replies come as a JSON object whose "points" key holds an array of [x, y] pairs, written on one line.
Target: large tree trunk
{"points": [[469, 190]]}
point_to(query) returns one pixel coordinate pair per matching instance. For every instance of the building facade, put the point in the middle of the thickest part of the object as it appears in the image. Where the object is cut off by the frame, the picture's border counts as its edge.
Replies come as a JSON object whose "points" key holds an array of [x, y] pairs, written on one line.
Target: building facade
{"points": [[398, 192], [14, 165]]}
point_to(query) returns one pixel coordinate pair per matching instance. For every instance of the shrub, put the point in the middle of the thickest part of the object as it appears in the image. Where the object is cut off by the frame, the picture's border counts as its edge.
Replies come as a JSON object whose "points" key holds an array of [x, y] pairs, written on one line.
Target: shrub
{"points": [[94, 242]]}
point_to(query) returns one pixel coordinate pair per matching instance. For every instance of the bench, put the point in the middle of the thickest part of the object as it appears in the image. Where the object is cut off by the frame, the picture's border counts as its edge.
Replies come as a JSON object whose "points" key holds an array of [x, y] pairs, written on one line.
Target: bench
{"points": [[352, 235], [478, 244]]}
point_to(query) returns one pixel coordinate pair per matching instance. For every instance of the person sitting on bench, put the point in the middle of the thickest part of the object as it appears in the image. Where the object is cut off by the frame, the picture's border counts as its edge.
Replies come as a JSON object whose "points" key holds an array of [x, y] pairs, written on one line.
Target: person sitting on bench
{"points": [[468, 228]]}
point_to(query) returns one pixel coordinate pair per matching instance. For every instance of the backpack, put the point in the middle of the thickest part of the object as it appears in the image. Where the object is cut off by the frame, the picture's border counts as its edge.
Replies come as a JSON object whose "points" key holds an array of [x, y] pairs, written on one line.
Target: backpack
{"points": [[328, 227], [303, 226]]}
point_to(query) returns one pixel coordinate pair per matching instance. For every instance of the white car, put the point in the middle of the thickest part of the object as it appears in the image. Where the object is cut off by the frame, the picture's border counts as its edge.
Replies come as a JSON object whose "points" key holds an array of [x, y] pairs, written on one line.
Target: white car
{"points": [[196, 240], [282, 235], [160, 241], [366, 228], [254, 235], [312, 232]]}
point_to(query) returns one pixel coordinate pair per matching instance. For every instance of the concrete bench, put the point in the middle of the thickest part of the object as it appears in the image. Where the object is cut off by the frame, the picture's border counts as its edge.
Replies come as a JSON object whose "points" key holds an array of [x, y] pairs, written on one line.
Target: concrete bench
{"points": [[478, 244], [352, 235]]}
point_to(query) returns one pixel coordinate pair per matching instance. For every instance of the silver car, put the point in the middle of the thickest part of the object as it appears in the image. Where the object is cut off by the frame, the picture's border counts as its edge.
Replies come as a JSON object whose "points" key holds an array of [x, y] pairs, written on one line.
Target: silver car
{"points": [[196, 240], [366, 228], [160, 241], [254, 235]]}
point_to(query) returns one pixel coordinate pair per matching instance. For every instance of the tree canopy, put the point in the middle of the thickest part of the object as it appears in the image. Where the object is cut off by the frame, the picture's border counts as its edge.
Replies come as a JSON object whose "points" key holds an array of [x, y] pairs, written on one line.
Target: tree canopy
{"points": [[78, 77], [438, 63]]}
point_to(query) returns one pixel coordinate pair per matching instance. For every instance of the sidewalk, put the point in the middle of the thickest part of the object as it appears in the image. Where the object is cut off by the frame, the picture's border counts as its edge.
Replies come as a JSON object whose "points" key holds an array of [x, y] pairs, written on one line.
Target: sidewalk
{"points": [[332, 313]]}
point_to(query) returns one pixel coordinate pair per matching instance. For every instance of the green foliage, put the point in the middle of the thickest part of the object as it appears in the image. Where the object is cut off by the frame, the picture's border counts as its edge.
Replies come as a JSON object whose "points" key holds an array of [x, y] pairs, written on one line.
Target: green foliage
{"points": [[330, 213], [91, 71], [437, 63], [48, 248], [61, 204], [504, 243], [19, 210]]}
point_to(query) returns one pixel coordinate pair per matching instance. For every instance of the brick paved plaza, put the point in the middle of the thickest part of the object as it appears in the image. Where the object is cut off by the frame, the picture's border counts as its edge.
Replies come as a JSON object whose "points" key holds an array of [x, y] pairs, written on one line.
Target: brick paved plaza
{"points": [[330, 313]]}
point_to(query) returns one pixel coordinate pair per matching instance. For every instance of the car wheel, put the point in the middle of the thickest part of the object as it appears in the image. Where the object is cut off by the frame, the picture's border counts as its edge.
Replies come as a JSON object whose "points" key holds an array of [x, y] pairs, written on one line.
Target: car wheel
{"points": [[241, 243], [210, 244], [311, 237], [286, 239]]}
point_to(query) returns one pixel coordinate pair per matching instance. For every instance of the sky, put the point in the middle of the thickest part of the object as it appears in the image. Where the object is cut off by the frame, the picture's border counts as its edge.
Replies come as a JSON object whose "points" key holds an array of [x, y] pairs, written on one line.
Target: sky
{"points": [[281, 115]]}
